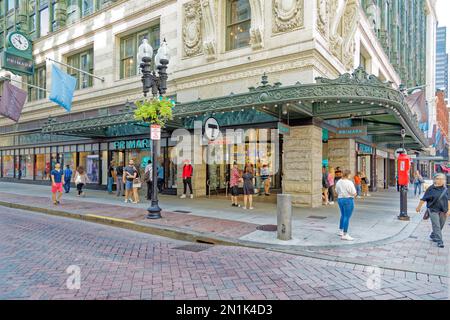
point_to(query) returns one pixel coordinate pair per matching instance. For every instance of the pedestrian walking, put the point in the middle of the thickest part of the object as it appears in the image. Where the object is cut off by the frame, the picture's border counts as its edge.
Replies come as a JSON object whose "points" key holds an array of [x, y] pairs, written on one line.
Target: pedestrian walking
{"points": [[67, 178], [119, 180], [331, 196], [235, 178], [129, 174], [148, 177], [325, 186], [265, 179], [337, 175], [437, 200], [418, 182], [57, 178], [187, 179], [346, 192], [160, 173], [358, 184], [249, 189], [81, 179], [111, 173], [137, 184]]}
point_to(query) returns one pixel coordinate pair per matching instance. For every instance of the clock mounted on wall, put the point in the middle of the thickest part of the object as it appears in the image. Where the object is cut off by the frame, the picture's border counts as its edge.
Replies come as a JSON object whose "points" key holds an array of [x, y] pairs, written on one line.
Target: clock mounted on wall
{"points": [[18, 56]]}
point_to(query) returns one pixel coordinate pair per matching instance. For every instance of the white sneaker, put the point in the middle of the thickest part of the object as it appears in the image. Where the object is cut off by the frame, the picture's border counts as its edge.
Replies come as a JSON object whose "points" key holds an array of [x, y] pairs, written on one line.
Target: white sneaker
{"points": [[347, 237], [251, 208], [126, 201], [341, 233], [245, 208], [192, 196], [134, 202], [183, 196], [332, 202]]}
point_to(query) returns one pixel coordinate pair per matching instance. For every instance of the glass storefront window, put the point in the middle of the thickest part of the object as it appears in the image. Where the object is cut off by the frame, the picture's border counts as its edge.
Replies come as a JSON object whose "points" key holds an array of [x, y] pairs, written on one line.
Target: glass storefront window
{"points": [[70, 158], [26, 167], [8, 166], [42, 167], [90, 161]]}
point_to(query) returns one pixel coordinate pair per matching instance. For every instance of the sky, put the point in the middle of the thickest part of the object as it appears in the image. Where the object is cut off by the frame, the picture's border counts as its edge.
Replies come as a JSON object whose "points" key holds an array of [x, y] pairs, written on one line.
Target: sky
{"points": [[443, 9]]}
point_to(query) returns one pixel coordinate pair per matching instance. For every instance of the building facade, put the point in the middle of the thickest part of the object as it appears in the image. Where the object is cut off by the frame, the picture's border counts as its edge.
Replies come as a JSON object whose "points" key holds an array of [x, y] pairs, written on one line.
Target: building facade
{"points": [[442, 61], [319, 68]]}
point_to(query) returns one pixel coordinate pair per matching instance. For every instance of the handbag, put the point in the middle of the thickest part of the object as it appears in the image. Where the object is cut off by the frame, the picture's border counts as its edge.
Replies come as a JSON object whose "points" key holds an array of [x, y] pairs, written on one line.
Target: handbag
{"points": [[426, 215]]}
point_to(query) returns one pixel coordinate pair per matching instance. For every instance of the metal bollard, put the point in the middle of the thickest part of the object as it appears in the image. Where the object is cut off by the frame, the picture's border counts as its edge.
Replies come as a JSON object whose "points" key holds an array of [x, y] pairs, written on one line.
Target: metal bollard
{"points": [[284, 216]]}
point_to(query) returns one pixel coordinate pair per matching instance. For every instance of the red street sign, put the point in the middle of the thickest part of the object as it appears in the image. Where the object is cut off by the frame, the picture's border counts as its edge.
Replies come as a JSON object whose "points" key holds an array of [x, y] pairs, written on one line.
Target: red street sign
{"points": [[155, 132]]}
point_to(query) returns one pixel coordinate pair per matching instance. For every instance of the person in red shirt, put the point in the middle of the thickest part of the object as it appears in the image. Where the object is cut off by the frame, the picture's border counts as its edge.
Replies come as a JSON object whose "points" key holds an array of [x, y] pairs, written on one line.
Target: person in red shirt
{"points": [[187, 178], [358, 184]]}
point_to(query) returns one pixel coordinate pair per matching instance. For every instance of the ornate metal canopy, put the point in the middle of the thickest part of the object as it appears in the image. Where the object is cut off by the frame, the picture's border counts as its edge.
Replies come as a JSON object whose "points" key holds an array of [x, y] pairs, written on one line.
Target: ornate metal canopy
{"points": [[358, 96]]}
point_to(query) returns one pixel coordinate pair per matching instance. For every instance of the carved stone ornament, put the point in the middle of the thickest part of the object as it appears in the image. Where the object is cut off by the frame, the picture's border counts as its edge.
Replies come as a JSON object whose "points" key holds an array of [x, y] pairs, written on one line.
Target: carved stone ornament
{"points": [[209, 20], [192, 29], [257, 24], [287, 15], [344, 19], [323, 16]]}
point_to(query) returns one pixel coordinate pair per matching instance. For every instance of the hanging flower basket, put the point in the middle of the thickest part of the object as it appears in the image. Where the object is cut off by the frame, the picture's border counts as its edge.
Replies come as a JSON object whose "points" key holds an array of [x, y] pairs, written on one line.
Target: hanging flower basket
{"points": [[154, 111]]}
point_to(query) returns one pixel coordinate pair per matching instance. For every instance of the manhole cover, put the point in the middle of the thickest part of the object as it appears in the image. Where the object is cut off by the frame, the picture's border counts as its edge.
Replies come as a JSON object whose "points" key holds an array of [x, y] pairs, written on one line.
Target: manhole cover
{"points": [[267, 227], [316, 217], [182, 211], [194, 247]]}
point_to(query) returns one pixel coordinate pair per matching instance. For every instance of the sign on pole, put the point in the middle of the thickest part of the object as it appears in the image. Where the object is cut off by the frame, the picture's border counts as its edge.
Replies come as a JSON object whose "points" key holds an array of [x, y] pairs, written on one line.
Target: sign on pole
{"points": [[155, 132]]}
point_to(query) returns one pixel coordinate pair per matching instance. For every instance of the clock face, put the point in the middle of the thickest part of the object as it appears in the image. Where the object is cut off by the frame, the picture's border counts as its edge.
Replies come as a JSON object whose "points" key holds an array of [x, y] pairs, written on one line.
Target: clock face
{"points": [[19, 42]]}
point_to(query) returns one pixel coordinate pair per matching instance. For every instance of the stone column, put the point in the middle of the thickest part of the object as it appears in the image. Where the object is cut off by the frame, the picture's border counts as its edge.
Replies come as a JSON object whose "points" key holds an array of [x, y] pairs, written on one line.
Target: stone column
{"points": [[22, 17], [302, 163], [60, 13], [342, 153]]}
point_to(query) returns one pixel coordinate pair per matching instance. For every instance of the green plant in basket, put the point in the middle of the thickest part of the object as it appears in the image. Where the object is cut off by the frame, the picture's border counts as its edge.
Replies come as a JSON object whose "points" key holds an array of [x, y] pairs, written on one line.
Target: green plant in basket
{"points": [[154, 111]]}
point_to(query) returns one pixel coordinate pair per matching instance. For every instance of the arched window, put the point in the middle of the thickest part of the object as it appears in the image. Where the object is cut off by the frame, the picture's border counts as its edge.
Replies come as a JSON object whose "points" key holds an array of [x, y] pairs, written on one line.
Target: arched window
{"points": [[238, 20]]}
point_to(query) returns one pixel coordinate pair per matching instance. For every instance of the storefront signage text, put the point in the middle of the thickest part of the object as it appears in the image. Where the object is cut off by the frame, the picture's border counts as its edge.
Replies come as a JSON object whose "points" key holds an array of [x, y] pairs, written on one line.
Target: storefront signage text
{"points": [[351, 132], [364, 149], [131, 144]]}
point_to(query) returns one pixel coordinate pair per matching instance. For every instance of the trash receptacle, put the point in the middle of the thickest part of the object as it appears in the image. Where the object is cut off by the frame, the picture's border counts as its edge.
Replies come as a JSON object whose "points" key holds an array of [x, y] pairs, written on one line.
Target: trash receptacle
{"points": [[284, 217]]}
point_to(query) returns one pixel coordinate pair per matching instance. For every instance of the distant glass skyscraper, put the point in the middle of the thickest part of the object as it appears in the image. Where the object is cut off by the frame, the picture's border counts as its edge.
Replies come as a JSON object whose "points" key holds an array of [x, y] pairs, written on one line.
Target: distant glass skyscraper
{"points": [[442, 60]]}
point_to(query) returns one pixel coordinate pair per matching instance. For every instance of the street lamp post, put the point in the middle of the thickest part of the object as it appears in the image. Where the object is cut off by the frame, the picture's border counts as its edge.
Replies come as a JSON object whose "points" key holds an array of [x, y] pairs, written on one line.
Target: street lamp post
{"points": [[158, 85]]}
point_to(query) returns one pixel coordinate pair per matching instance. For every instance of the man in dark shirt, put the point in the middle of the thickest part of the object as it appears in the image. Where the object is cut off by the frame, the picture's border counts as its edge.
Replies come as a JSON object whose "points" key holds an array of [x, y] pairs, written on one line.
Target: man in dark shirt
{"points": [[437, 199], [111, 172], [119, 179]]}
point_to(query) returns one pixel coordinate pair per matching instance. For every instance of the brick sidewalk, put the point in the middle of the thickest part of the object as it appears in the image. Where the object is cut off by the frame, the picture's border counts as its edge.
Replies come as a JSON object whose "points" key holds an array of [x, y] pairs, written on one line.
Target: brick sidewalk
{"points": [[219, 227]]}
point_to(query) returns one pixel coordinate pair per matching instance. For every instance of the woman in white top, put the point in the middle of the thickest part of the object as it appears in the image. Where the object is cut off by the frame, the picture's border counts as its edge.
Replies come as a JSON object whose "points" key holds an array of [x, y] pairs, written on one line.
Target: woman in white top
{"points": [[346, 192]]}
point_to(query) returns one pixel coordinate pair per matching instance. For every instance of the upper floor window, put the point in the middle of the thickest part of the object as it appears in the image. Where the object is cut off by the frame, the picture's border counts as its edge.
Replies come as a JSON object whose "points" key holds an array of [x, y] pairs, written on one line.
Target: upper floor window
{"points": [[87, 7], [11, 4], [129, 47], [38, 79], [2, 8], [238, 20], [83, 61], [32, 15], [73, 11], [44, 19]]}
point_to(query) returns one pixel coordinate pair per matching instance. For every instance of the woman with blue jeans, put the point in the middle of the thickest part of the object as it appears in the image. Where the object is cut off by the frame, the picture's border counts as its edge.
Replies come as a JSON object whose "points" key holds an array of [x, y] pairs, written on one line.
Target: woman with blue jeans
{"points": [[346, 193], [418, 181]]}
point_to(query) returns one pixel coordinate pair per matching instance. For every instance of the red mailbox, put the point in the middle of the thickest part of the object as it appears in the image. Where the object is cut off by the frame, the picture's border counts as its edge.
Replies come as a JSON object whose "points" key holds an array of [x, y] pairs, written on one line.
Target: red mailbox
{"points": [[403, 169]]}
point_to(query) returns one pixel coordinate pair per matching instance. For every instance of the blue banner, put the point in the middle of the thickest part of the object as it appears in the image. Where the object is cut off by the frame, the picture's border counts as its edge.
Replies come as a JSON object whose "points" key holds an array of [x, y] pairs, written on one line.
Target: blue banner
{"points": [[63, 87]]}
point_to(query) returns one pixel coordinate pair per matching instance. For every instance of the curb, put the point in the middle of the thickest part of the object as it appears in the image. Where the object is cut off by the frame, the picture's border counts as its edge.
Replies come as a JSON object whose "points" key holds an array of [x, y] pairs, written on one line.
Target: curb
{"points": [[208, 238]]}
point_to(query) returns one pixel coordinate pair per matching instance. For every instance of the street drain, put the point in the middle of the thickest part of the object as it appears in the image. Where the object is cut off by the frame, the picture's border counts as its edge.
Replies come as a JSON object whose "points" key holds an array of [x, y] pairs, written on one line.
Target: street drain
{"points": [[316, 217], [267, 227], [182, 211], [194, 247]]}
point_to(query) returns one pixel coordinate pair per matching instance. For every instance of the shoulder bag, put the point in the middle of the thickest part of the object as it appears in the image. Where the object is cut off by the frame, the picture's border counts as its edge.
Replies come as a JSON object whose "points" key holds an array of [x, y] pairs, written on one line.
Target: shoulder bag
{"points": [[426, 215]]}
